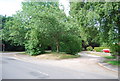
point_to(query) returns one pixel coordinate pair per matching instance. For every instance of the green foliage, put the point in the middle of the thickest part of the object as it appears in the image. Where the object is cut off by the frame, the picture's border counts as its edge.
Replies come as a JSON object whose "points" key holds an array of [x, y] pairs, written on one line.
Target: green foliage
{"points": [[34, 49], [115, 49], [71, 44], [98, 22], [99, 49], [114, 62], [69, 56], [14, 31], [90, 48], [110, 57], [48, 29], [42, 24], [86, 20]]}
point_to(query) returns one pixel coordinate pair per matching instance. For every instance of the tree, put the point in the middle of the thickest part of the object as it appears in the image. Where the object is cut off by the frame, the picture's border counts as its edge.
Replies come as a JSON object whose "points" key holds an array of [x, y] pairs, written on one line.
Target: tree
{"points": [[14, 30], [99, 21], [42, 24], [86, 19], [6, 30]]}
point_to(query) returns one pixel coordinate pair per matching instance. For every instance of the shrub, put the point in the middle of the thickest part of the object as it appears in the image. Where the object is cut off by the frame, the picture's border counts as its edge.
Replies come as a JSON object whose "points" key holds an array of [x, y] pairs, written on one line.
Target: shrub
{"points": [[89, 48], [71, 45], [34, 49], [115, 49], [99, 49], [36, 43]]}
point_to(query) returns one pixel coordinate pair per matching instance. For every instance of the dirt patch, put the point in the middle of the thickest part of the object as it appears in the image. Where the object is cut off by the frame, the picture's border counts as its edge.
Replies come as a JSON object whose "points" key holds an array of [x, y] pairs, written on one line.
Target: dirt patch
{"points": [[48, 56], [56, 56]]}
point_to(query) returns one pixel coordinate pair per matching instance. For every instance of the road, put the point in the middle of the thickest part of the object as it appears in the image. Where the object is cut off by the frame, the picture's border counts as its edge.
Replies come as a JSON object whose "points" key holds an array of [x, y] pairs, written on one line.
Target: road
{"points": [[13, 68]]}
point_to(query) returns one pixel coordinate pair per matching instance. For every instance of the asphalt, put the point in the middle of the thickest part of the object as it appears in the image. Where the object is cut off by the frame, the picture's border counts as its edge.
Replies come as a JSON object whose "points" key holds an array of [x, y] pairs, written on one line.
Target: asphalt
{"points": [[82, 68], [100, 60]]}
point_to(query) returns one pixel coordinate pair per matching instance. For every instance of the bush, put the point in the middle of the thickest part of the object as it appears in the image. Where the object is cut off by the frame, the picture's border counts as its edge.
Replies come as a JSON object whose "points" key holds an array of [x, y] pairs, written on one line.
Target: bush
{"points": [[115, 49], [71, 45], [34, 49], [89, 48], [99, 49]]}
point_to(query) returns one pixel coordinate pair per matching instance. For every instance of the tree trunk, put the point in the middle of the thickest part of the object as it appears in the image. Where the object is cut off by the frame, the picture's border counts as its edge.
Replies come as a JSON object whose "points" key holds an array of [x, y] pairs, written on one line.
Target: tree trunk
{"points": [[57, 46]]}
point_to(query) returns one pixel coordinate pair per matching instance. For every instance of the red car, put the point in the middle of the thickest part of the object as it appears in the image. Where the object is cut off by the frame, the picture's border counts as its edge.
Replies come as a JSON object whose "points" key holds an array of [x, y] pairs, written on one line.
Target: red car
{"points": [[106, 50]]}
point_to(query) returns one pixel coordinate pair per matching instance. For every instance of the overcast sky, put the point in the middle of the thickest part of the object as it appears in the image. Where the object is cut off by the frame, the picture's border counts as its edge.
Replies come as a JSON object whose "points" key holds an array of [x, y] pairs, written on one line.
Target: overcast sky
{"points": [[65, 5], [9, 7]]}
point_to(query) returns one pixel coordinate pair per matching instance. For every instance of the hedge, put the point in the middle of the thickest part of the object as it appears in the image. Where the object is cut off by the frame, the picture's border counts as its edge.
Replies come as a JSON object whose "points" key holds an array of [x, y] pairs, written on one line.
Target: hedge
{"points": [[89, 48], [99, 49]]}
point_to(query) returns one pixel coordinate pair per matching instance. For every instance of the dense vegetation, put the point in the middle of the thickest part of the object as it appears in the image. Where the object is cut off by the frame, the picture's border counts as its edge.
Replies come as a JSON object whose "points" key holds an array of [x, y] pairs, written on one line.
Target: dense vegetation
{"points": [[99, 22], [40, 26]]}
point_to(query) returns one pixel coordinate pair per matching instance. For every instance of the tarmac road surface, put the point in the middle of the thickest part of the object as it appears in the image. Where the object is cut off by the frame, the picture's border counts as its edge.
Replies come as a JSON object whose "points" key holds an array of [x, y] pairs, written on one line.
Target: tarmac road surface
{"points": [[13, 68]]}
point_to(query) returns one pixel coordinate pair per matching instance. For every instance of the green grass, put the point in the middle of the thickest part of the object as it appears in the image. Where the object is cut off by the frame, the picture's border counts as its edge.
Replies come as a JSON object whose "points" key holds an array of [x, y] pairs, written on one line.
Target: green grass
{"points": [[63, 55], [110, 60], [113, 62], [99, 49], [110, 57], [66, 56]]}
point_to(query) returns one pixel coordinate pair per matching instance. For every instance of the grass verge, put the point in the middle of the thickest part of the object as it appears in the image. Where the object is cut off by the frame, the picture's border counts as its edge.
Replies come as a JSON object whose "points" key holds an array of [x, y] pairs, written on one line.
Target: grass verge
{"points": [[113, 62], [109, 57], [66, 56]]}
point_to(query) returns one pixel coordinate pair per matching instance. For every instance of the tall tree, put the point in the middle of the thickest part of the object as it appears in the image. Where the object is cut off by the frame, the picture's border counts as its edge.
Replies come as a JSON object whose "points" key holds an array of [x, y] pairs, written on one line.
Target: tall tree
{"points": [[42, 24], [99, 21]]}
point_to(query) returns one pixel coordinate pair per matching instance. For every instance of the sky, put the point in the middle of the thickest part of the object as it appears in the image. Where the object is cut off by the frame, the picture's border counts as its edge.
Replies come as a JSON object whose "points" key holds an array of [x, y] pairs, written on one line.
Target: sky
{"points": [[65, 5], [9, 7]]}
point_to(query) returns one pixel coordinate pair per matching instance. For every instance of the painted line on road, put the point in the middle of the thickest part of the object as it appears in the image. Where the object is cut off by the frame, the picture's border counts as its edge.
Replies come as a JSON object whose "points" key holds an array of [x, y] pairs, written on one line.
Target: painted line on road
{"points": [[38, 71], [31, 68], [16, 57]]}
